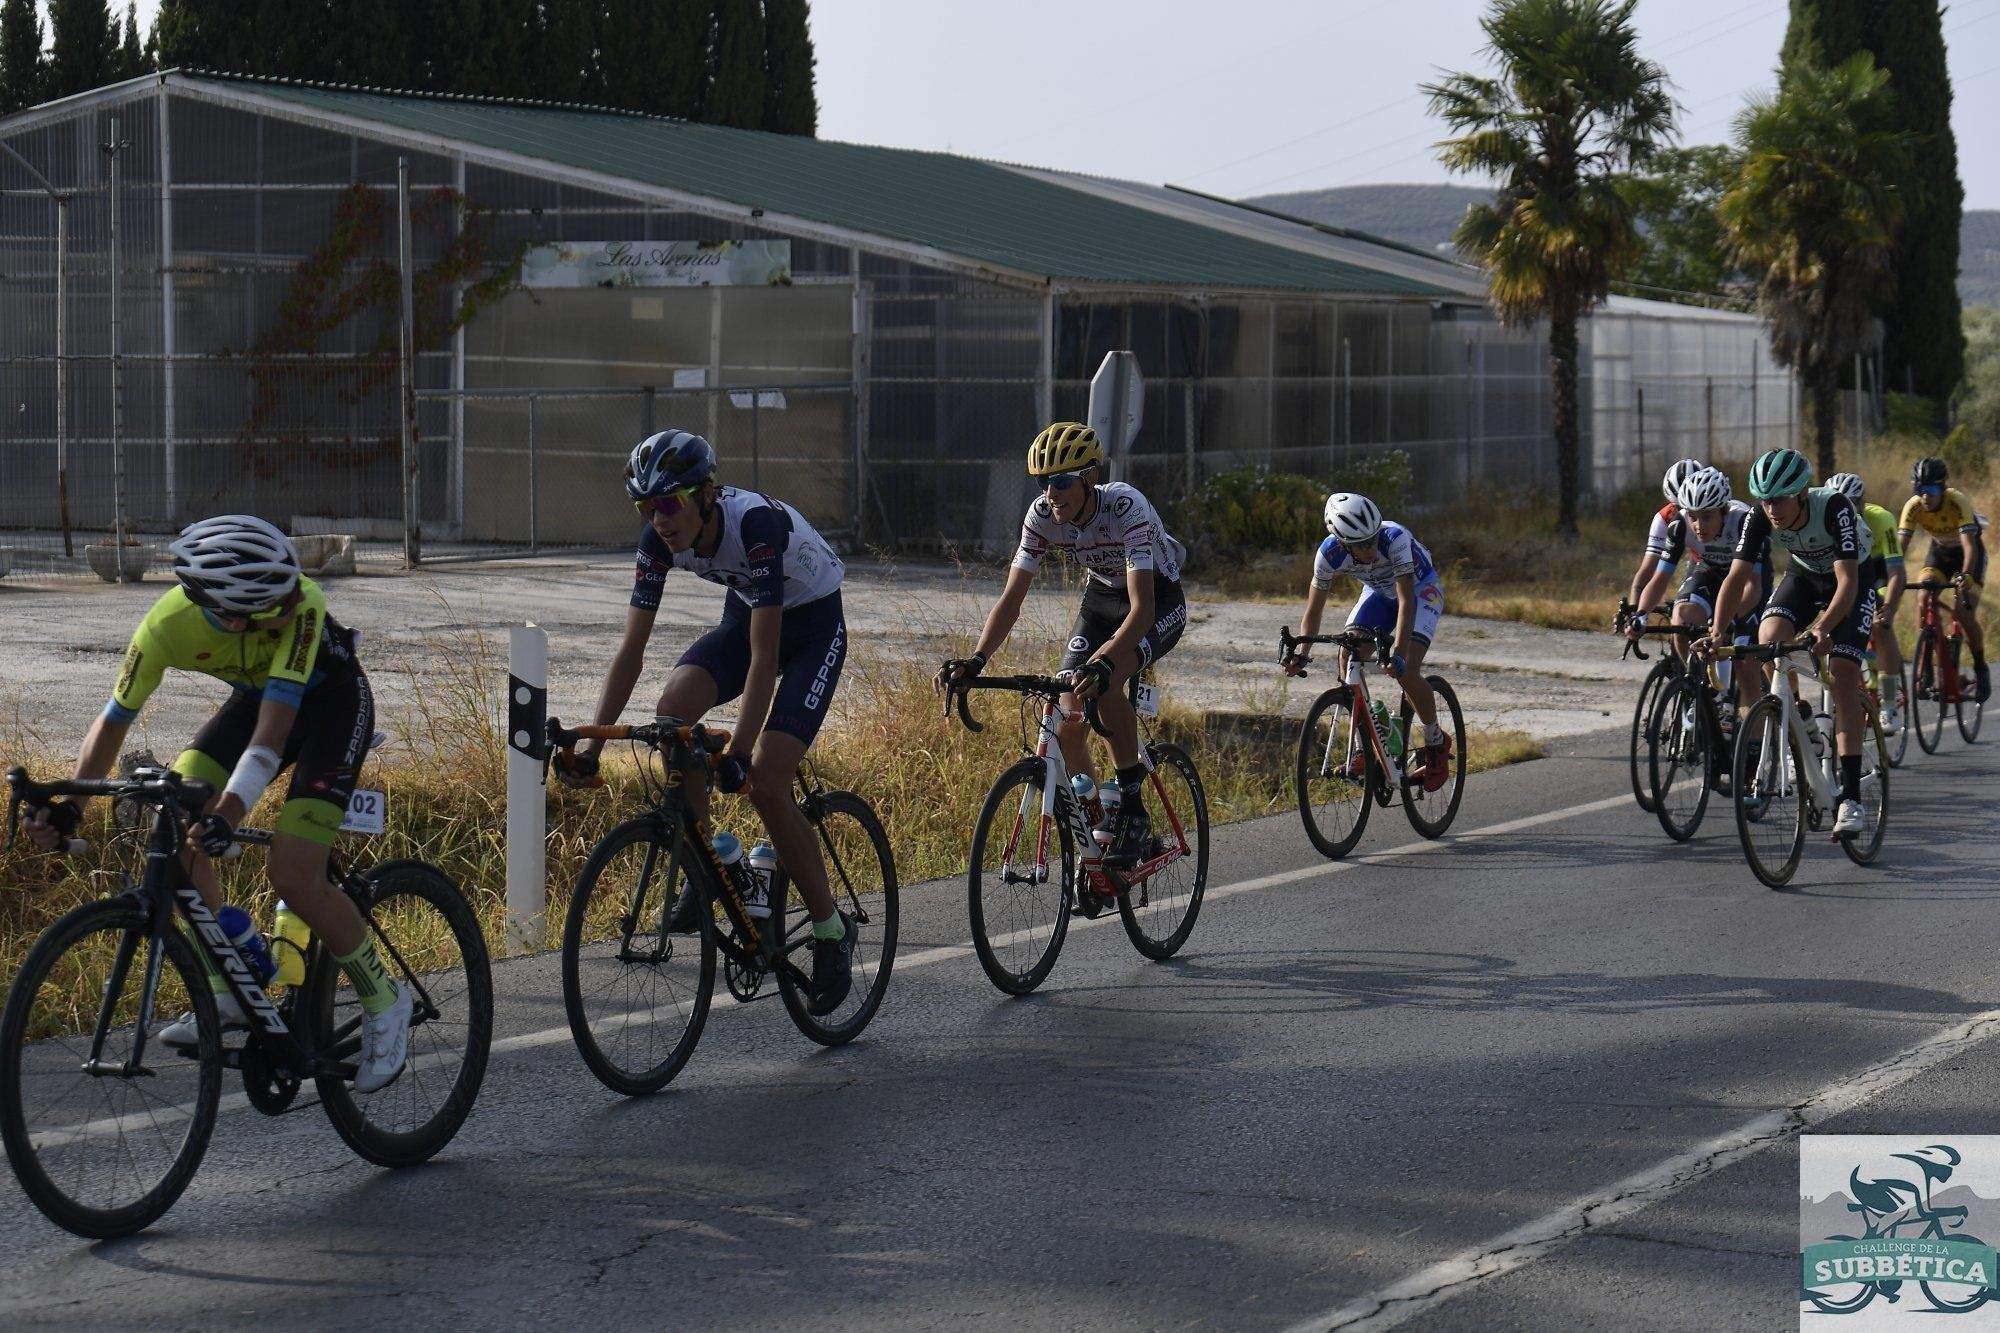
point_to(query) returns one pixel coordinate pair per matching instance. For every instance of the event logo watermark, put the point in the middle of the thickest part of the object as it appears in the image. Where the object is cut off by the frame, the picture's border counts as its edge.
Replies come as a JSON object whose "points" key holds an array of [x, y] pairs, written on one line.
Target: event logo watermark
{"points": [[1892, 1226]]}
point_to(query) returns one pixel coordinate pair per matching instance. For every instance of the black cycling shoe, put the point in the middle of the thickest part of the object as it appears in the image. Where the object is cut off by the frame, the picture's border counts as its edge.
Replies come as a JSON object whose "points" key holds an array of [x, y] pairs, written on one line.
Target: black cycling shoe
{"points": [[685, 919], [833, 970], [1984, 677], [1131, 834], [1091, 905]]}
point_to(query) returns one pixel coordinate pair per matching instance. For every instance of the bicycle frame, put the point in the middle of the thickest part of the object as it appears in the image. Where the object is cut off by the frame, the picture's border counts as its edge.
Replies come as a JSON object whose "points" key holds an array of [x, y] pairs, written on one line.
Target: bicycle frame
{"points": [[1931, 613], [1821, 779], [1048, 749]]}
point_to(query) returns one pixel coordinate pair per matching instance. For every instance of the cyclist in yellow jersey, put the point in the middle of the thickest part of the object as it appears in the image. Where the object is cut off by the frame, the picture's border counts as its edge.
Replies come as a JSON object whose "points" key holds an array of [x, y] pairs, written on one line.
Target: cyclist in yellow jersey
{"points": [[246, 615], [1883, 565], [1958, 551]]}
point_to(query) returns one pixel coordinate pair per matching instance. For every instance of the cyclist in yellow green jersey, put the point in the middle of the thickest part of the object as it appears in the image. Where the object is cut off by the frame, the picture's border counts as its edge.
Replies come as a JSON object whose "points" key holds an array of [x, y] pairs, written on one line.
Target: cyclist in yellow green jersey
{"points": [[1958, 551], [246, 615], [1883, 566]]}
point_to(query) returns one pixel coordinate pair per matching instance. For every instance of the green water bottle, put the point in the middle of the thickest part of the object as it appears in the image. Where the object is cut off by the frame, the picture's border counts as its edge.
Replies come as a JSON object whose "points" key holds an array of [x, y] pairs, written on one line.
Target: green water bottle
{"points": [[1392, 736]]}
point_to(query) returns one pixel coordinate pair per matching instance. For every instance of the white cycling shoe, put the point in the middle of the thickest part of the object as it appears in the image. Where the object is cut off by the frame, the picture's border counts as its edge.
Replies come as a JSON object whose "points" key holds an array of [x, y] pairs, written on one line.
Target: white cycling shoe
{"points": [[385, 1045], [1851, 817], [184, 1035]]}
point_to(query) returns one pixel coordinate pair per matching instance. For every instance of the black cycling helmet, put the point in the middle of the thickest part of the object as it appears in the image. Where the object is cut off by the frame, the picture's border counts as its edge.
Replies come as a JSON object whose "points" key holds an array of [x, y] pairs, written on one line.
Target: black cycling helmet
{"points": [[670, 460], [1928, 472]]}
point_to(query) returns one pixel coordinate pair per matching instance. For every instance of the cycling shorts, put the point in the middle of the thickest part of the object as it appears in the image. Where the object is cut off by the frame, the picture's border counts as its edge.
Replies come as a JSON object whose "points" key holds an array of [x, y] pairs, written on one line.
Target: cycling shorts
{"points": [[1947, 559], [1104, 609], [1377, 611], [812, 647], [330, 737], [1799, 600], [1701, 587]]}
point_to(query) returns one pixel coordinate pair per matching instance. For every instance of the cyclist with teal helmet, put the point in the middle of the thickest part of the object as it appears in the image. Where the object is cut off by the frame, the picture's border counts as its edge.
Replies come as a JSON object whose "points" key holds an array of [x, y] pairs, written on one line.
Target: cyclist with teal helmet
{"points": [[1822, 598]]}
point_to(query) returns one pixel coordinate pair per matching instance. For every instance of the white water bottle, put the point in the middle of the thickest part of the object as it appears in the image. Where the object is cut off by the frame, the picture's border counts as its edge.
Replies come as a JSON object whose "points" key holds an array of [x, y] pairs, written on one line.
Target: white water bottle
{"points": [[1084, 790], [1110, 796], [763, 861]]}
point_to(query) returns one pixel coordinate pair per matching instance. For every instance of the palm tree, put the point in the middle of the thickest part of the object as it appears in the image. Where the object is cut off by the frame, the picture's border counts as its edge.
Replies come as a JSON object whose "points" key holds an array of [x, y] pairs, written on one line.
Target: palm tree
{"points": [[1813, 217], [1572, 110]]}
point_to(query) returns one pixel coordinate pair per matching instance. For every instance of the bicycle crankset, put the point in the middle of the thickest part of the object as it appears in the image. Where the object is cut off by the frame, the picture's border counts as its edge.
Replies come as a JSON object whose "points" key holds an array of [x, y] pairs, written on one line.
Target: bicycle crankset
{"points": [[744, 979], [269, 1089]]}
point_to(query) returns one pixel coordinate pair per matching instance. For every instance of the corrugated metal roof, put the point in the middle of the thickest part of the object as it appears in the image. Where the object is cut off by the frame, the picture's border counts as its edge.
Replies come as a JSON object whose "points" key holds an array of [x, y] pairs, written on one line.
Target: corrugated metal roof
{"points": [[979, 211]]}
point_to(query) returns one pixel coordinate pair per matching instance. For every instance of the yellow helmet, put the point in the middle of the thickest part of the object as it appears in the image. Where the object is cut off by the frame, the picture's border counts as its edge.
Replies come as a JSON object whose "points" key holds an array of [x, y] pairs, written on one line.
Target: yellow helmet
{"points": [[1065, 446]]}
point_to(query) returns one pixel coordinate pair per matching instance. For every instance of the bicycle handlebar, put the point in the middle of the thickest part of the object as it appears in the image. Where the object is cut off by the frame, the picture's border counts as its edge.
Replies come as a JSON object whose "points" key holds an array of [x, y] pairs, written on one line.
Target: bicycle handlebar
{"points": [[704, 740], [149, 786], [1051, 688], [1356, 639]]}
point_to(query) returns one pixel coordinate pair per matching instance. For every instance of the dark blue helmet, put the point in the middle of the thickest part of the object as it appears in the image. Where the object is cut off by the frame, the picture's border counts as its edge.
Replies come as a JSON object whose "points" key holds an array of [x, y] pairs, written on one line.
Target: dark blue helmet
{"points": [[669, 461]]}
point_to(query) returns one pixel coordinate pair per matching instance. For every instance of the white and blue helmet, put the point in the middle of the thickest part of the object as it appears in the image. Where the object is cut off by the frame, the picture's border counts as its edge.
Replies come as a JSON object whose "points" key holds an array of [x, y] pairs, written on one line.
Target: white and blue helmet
{"points": [[1352, 518], [670, 460]]}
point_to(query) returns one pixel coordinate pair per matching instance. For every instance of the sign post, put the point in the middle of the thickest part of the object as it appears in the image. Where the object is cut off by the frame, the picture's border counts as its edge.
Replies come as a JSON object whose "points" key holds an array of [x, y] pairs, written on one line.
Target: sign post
{"points": [[527, 802], [1117, 402]]}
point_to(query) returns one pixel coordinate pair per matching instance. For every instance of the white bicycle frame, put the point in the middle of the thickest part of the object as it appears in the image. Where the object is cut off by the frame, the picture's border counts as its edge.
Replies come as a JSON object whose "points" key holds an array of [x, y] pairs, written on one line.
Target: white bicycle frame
{"points": [[1822, 779], [1056, 775]]}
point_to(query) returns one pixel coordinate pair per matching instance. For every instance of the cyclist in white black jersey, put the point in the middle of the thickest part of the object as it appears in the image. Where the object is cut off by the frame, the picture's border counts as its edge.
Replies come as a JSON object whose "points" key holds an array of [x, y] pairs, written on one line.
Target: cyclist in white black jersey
{"points": [[1822, 597], [1707, 528], [1132, 615], [1401, 595], [780, 648], [1656, 534]]}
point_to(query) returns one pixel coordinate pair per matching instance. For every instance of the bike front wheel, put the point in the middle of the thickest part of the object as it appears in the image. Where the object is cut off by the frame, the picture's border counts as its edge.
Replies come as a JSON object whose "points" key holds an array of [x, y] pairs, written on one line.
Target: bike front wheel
{"points": [[1641, 740], [1970, 711], [1861, 848], [106, 1154], [1431, 809], [1682, 756], [1768, 785], [1159, 911], [637, 992], [1927, 690], [1335, 774], [1021, 881], [861, 873], [429, 941], [1896, 694]]}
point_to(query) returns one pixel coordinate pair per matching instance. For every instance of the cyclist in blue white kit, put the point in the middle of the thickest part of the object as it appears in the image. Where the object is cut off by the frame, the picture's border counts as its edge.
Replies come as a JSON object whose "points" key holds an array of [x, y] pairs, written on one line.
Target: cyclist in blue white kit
{"points": [[1401, 595], [779, 648]]}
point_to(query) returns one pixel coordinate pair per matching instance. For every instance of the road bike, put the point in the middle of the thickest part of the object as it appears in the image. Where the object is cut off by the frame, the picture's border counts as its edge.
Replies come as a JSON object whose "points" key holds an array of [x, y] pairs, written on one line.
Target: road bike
{"points": [[1786, 776], [1938, 685], [1351, 758], [638, 984], [105, 1125], [1640, 740], [1897, 684], [1689, 734], [1035, 840]]}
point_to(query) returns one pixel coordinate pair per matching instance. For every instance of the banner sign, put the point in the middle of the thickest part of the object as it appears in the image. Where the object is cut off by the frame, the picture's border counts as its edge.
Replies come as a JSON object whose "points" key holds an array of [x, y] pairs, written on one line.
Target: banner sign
{"points": [[658, 264]]}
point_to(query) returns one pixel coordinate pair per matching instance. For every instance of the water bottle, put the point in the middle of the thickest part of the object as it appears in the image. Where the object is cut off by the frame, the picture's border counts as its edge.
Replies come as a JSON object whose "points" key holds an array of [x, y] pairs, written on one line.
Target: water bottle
{"points": [[1109, 796], [1822, 727], [290, 937], [1085, 791], [1391, 737], [241, 932], [763, 872]]}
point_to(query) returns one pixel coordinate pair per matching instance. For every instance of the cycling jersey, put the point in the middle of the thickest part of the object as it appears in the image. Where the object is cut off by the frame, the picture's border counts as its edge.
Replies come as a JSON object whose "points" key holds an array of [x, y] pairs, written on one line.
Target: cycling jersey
{"points": [[1885, 551], [1952, 516], [1123, 533], [1716, 553], [285, 664], [767, 555], [1831, 532], [1397, 553], [1656, 532]]}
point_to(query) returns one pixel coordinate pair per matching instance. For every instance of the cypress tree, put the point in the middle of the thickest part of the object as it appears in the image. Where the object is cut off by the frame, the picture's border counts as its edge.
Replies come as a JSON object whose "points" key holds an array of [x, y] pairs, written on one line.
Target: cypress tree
{"points": [[132, 58], [21, 66], [206, 34], [85, 50], [790, 106], [736, 82], [684, 59], [565, 66], [634, 54], [1924, 346]]}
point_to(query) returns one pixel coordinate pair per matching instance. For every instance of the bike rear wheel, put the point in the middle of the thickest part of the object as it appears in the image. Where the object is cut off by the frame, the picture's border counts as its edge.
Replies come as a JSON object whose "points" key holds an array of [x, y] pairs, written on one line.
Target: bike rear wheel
{"points": [[1021, 881], [1335, 774], [1769, 793], [1159, 911], [105, 1156], [637, 994], [1927, 705], [861, 872], [1641, 741], [1862, 848], [1681, 756], [1431, 812], [429, 940]]}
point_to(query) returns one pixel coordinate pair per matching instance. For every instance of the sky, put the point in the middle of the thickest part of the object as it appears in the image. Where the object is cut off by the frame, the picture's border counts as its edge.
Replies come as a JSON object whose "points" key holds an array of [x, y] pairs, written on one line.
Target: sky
{"points": [[1246, 97]]}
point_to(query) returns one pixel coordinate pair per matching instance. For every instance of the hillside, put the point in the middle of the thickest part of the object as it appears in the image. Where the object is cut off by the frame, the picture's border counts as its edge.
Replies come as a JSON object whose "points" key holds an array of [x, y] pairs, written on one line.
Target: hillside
{"points": [[1423, 215]]}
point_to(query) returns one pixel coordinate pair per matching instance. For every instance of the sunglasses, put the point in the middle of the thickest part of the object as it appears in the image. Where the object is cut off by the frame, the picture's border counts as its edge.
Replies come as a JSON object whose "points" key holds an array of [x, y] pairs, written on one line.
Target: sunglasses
{"points": [[1062, 481], [1930, 490], [666, 506]]}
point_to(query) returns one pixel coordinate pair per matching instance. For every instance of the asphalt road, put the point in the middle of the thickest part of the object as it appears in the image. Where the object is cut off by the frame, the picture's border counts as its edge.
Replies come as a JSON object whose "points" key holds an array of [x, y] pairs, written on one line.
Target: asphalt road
{"points": [[1355, 1076]]}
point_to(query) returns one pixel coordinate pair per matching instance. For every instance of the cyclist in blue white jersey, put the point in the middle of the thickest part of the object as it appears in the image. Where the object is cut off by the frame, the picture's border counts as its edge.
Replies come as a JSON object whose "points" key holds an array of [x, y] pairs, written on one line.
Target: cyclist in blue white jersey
{"points": [[1401, 595], [779, 648]]}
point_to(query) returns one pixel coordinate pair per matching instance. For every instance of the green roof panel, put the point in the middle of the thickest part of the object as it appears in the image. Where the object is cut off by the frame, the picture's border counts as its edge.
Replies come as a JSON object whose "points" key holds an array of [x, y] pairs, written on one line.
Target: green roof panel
{"points": [[969, 209]]}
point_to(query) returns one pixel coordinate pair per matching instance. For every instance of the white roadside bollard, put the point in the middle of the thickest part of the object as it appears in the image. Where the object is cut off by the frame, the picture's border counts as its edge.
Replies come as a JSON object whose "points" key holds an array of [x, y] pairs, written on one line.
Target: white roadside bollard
{"points": [[527, 801]]}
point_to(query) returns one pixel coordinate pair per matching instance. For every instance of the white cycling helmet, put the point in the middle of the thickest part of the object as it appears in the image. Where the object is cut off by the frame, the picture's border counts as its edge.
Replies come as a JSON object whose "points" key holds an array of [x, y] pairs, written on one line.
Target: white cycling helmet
{"points": [[1670, 485], [1352, 518], [235, 563], [1705, 489], [1848, 485]]}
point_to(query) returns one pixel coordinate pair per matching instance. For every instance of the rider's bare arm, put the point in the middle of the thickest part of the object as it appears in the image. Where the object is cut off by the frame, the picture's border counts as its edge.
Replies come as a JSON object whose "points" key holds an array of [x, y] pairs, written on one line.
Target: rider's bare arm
{"points": [[623, 674], [273, 729], [1316, 597], [1406, 613], [1006, 610], [761, 682], [1139, 590], [1735, 585], [1656, 587], [1647, 563]]}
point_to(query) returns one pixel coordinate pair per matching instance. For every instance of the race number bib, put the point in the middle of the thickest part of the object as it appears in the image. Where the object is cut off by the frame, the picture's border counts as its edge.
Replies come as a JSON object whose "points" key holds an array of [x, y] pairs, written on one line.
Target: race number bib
{"points": [[1146, 700], [367, 812]]}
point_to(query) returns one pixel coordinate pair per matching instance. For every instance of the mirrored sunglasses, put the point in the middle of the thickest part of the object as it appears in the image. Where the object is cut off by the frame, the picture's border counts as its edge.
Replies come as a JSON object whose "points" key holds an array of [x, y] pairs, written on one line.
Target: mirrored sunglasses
{"points": [[1062, 481], [666, 506]]}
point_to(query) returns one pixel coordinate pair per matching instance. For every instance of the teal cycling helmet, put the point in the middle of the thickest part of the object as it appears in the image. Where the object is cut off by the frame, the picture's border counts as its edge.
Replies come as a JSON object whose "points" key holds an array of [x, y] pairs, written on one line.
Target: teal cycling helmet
{"points": [[1779, 472]]}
